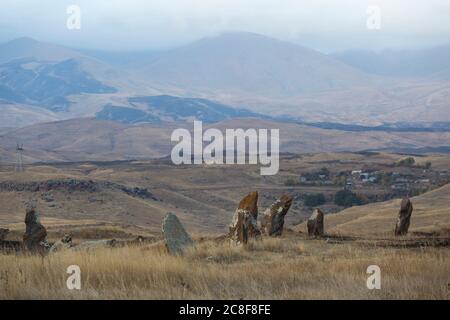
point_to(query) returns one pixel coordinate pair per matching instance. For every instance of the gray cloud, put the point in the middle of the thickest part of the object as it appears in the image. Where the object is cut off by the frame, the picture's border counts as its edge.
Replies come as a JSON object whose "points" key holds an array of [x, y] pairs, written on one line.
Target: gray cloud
{"points": [[138, 24]]}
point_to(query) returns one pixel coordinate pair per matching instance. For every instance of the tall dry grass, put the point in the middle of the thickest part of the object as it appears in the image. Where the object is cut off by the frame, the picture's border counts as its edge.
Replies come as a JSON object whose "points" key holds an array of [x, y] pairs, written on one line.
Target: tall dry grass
{"points": [[269, 269]]}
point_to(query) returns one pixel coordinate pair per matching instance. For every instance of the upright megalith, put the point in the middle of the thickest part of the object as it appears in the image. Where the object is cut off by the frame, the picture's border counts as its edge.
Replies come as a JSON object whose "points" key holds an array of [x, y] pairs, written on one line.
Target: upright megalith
{"points": [[176, 238], [404, 217], [273, 219], [315, 224], [3, 233], [244, 223], [35, 236]]}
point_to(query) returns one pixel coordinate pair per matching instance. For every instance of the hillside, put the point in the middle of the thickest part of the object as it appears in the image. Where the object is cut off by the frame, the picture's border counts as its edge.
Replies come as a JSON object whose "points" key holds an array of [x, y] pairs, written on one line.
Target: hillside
{"points": [[419, 62], [89, 139], [204, 197], [45, 84], [246, 62], [431, 214], [171, 108], [30, 48], [93, 201]]}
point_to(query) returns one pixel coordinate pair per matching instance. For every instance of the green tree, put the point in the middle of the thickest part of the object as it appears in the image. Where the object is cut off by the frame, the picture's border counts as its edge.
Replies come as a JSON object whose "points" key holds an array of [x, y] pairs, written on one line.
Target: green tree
{"points": [[314, 200], [346, 198], [407, 162]]}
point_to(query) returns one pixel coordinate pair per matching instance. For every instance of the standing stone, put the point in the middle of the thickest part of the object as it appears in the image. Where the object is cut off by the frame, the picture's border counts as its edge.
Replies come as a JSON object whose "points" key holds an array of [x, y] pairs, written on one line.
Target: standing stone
{"points": [[315, 224], [175, 236], [64, 243], [244, 222], [3, 233], [273, 218], [35, 237], [404, 217]]}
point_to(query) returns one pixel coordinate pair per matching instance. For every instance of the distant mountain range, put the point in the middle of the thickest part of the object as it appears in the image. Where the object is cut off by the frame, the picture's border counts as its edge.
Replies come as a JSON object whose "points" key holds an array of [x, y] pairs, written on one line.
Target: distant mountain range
{"points": [[250, 63], [410, 63], [228, 76]]}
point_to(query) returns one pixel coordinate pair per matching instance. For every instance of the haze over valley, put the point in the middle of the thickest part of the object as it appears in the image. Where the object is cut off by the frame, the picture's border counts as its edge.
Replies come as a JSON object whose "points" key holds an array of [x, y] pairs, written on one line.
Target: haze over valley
{"points": [[226, 77]]}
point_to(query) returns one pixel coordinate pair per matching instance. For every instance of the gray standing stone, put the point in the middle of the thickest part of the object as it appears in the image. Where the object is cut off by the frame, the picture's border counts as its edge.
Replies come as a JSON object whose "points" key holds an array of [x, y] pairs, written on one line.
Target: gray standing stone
{"points": [[175, 236], [315, 224], [3, 233], [63, 244], [273, 219], [404, 217]]}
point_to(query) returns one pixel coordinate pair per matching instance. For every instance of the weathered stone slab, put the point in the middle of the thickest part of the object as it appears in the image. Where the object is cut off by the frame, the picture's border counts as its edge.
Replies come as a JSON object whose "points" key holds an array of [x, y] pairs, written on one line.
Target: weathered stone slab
{"points": [[175, 236], [273, 219], [63, 244], [315, 224], [404, 217], [35, 236], [244, 222]]}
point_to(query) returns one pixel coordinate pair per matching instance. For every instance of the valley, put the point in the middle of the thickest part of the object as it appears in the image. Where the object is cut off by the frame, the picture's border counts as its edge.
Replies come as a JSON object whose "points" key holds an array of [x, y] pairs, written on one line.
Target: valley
{"points": [[140, 193]]}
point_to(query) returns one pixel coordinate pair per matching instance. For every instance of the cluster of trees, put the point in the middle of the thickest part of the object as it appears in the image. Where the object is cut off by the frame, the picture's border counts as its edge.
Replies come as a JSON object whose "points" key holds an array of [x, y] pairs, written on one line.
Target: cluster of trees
{"points": [[406, 162], [411, 162], [346, 198], [314, 200]]}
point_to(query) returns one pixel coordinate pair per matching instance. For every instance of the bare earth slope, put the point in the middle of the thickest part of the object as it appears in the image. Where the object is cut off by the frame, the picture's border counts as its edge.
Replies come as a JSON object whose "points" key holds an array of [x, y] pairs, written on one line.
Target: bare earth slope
{"points": [[88, 139]]}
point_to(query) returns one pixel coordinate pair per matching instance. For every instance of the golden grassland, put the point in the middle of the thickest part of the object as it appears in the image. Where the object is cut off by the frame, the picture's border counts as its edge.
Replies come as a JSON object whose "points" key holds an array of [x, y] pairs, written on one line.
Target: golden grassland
{"points": [[277, 268], [205, 197], [291, 267], [431, 215]]}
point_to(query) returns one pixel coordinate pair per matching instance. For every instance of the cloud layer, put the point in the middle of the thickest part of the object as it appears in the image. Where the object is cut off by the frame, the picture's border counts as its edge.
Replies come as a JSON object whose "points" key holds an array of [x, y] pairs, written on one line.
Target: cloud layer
{"points": [[327, 25]]}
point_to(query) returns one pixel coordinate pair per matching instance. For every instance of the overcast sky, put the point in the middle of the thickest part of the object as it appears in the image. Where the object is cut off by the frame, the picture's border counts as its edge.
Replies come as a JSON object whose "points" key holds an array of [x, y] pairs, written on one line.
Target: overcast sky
{"points": [[326, 25]]}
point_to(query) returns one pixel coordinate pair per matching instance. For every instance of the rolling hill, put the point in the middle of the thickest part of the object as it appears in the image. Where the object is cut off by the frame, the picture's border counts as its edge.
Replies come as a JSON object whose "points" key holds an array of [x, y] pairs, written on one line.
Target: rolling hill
{"points": [[431, 214], [27, 48], [90, 139], [416, 63], [250, 64]]}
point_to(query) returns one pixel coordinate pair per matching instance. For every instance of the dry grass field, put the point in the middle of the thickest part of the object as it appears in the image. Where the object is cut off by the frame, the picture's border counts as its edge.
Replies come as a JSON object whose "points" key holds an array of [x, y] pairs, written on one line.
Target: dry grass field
{"points": [[204, 198], [282, 268], [431, 215], [87, 139]]}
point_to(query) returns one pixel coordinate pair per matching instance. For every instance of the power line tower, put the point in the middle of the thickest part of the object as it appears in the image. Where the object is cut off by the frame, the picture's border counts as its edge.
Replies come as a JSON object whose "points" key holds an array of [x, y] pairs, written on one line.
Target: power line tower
{"points": [[19, 160]]}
